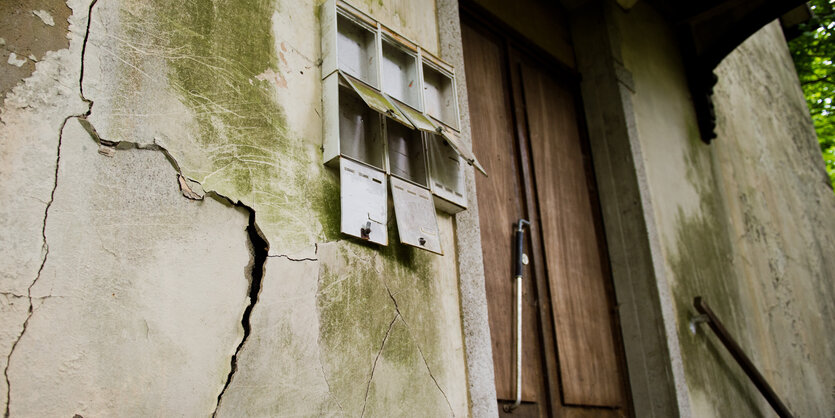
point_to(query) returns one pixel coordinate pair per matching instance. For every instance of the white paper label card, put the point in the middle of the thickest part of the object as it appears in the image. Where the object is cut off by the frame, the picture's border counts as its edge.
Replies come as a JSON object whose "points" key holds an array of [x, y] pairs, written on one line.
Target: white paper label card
{"points": [[415, 213], [364, 201]]}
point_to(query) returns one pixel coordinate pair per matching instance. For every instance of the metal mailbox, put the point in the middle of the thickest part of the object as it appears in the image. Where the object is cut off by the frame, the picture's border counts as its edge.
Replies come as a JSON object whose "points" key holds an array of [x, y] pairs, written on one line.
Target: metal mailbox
{"points": [[439, 96], [407, 157], [400, 74], [350, 42], [390, 110]]}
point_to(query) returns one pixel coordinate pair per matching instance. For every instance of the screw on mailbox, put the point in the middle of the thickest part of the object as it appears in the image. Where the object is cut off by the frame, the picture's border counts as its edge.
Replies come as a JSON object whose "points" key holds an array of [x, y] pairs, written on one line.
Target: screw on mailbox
{"points": [[366, 231]]}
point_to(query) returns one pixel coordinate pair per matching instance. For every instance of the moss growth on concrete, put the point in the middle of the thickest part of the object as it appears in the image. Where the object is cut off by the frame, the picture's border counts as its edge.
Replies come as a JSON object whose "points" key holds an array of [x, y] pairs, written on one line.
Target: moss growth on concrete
{"points": [[358, 285], [702, 264], [327, 206], [401, 384], [222, 62], [355, 314], [217, 54]]}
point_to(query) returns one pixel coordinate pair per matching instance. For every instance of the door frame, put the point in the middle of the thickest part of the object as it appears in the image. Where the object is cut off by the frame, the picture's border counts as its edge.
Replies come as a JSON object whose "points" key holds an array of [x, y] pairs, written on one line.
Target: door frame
{"points": [[518, 51], [647, 321]]}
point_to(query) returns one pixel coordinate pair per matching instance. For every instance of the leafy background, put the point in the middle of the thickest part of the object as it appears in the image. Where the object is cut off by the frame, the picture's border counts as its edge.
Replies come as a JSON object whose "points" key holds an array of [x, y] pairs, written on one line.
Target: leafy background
{"points": [[813, 52]]}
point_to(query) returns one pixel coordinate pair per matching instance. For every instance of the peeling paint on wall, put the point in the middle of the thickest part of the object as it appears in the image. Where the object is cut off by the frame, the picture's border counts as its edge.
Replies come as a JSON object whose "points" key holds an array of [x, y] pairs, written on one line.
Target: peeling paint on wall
{"points": [[28, 30]]}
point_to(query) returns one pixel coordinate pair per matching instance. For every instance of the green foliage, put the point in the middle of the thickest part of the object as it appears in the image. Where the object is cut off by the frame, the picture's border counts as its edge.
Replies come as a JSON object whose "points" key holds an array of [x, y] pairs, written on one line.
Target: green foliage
{"points": [[814, 52]]}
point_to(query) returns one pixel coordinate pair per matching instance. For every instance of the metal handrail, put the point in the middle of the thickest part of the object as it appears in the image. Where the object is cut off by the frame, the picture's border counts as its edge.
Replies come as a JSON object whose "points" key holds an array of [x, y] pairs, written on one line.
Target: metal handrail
{"points": [[731, 345]]}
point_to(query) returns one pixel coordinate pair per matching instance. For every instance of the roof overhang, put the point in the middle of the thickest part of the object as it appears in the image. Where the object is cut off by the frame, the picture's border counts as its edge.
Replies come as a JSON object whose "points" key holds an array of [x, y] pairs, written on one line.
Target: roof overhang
{"points": [[709, 30]]}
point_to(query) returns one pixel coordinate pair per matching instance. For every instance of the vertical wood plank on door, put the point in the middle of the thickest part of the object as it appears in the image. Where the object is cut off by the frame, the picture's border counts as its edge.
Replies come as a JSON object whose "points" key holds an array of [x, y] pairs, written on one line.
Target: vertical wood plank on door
{"points": [[535, 249], [589, 372], [493, 142]]}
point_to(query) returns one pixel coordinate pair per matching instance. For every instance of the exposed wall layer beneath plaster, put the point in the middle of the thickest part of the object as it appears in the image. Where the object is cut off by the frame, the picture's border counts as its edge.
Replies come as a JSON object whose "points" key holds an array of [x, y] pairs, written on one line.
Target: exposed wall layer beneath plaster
{"points": [[29, 29]]}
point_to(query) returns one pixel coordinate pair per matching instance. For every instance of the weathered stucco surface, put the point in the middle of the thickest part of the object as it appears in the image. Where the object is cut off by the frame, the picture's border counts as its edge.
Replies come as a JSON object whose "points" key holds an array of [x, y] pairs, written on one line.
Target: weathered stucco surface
{"points": [[133, 312], [152, 300], [746, 222], [416, 20], [31, 120]]}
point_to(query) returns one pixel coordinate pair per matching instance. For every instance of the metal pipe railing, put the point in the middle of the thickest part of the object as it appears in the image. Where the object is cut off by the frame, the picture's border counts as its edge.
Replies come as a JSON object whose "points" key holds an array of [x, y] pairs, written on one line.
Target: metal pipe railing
{"points": [[731, 345]]}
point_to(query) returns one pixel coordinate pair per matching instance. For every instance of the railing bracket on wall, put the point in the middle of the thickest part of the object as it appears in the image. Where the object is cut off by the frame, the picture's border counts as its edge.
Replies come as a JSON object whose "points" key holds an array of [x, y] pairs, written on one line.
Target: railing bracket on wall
{"points": [[707, 315]]}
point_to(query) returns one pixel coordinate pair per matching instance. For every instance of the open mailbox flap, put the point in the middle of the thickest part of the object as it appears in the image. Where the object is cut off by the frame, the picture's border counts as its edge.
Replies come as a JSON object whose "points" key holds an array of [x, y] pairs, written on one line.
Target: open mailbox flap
{"points": [[425, 123], [417, 118], [375, 100], [454, 141], [364, 201], [414, 210]]}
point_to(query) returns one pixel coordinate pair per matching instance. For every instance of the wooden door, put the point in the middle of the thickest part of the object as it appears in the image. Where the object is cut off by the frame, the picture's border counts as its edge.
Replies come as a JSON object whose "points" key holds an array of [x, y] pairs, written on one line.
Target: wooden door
{"points": [[528, 133]]}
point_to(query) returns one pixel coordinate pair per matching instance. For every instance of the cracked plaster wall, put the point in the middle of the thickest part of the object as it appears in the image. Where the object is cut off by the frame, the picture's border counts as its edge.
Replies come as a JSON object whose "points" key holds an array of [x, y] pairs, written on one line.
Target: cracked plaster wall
{"points": [[747, 222], [139, 291]]}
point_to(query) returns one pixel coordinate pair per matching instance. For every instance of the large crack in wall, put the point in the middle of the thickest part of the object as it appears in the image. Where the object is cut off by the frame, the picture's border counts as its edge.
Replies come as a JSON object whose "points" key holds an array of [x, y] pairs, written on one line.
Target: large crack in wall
{"points": [[260, 249], [216, 299], [191, 189]]}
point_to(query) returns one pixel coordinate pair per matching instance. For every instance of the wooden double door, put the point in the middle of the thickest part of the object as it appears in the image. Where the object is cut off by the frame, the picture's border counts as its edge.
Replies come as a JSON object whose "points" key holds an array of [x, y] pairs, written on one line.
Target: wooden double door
{"points": [[528, 132]]}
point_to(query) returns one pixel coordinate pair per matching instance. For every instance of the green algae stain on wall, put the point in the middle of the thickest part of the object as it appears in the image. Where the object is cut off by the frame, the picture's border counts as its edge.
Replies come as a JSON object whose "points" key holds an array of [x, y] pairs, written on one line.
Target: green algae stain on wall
{"points": [[363, 328], [702, 264], [402, 385], [222, 64], [355, 316]]}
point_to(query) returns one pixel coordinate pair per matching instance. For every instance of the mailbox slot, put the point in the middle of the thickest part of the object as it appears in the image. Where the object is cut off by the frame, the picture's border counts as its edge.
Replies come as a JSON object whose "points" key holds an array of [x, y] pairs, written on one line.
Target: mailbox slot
{"points": [[439, 96], [400, 74], [446, 175], [360, 133], [407, 159], [350, 42], [357, 46]]}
